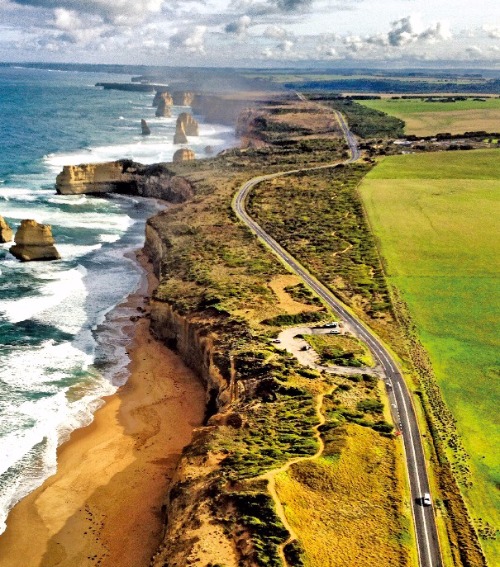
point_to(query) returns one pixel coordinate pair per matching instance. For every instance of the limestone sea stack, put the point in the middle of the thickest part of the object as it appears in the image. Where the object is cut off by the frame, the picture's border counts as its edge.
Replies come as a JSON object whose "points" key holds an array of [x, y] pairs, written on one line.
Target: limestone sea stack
{"points": [[146, 130], [5, 231], [180, 134], [34, 241], [164, 108], [183, 155], [182, 98], [163, 95], [191, 127]]}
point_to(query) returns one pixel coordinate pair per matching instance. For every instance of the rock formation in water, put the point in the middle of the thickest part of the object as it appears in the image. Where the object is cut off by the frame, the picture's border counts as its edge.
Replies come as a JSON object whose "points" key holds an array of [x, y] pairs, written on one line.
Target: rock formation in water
{"points": [[163, 109], [191, 127], [183, 155], [163, 95], [34, 241], [94, 178], [126, 177], [5, 231], [146, 130], [182, 98], [180, 134]]}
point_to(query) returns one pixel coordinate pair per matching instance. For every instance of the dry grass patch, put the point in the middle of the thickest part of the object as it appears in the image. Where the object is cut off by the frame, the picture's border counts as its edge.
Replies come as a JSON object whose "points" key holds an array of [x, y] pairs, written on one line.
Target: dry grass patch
{"points": [[346, 510], [454, 122], [285, 301]]}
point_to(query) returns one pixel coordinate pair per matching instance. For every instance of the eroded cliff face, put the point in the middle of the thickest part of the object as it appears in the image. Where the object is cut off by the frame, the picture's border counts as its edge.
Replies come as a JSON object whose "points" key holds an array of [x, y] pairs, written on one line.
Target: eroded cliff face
{"points": [[192, 532], [126, 177]]}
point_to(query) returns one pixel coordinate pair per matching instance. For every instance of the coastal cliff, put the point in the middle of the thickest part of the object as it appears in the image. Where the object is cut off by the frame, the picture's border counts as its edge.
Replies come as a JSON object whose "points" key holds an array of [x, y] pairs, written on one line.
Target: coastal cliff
{"points": [[126, 177]]}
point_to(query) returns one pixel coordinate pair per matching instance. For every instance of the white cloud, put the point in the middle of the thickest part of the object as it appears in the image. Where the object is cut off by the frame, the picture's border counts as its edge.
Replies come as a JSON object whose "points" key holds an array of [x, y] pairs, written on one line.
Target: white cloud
{"points": [[118, 12], [240, 26], [474, 52], [275, 32], [410, 30], [192, 41], [286, 46], [492, 31]]}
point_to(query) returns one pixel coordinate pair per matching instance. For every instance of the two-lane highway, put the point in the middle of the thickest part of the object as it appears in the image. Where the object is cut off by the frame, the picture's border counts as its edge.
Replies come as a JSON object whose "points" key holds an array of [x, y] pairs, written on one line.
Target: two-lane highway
{"points": [[399, 395]]}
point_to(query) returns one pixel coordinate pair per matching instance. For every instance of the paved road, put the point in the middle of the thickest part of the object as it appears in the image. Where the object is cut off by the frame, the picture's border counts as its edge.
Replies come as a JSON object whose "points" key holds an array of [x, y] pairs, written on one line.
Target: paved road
{"points": [[401, 404]]}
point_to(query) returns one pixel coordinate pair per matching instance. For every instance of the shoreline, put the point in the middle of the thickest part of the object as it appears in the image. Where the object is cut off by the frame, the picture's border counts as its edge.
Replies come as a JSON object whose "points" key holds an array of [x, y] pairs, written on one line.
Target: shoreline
{"points": [[113, 475]]}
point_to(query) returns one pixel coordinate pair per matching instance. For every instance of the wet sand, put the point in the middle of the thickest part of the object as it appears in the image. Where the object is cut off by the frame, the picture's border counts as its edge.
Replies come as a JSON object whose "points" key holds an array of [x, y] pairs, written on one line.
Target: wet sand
{"points": [[103, 506]]}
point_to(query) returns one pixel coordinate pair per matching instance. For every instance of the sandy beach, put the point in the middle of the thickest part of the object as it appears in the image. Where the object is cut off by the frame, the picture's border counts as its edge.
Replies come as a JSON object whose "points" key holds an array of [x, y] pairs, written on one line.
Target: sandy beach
{"points": [[103, 506]]}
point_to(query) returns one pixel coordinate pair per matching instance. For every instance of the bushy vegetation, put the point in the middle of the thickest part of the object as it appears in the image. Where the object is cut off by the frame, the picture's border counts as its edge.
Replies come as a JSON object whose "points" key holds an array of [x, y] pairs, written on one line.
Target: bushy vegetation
{"points": [[297, 319], [303, 294], [318, 217], [340, 350], [367, 122]]}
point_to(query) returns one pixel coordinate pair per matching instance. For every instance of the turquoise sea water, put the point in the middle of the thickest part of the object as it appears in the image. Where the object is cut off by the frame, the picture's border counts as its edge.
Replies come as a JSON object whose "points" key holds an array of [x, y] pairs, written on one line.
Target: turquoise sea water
{"points": [[54, 364]]}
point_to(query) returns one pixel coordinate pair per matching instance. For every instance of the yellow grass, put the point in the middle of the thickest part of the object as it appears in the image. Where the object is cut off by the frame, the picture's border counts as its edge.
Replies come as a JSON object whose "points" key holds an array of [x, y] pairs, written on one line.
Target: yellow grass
{"points": [[346, 510], [285, 300]]}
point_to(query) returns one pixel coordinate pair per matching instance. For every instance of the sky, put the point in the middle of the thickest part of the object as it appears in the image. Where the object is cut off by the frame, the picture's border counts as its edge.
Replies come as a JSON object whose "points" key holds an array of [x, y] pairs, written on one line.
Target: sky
{"points": [[252, 33]]}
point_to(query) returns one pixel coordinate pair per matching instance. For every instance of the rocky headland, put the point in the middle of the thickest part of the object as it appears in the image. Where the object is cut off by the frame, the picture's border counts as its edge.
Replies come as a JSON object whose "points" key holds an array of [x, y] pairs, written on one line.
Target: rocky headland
{"points": [[6, 232], [34, 242], [124, 176]]}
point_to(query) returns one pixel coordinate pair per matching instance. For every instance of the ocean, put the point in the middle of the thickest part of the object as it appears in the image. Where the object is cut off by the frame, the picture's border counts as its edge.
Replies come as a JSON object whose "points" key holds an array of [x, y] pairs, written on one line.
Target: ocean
{"points": [[60, 351]]}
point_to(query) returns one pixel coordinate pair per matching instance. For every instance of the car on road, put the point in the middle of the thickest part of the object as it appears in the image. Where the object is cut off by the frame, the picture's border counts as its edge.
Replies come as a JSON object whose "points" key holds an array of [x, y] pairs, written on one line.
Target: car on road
{"points": [[426, 499], [276, 341]]}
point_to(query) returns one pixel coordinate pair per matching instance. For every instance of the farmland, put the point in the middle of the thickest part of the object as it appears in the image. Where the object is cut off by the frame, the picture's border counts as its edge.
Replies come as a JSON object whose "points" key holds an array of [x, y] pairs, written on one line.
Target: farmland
{"points": [[427, 118], [434, 218]]}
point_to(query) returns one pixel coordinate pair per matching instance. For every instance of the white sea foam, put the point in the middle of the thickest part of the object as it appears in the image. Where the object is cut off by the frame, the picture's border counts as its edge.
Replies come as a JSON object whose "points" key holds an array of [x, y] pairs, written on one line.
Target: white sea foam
{"points": [[60, 285], [57, 217], [109, 238], [68, 199]]}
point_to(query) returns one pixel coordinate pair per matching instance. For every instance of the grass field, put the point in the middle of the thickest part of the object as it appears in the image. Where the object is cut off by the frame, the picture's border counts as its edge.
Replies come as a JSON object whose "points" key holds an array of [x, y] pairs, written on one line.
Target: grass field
{"points": [[341, 511], [435, 218], [428, 118]]}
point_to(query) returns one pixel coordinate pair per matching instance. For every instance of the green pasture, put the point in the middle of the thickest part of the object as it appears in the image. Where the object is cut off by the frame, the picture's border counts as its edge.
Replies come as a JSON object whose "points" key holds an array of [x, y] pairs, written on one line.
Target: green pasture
{"points": [[402, 108], [436, 220], [429, 118]]}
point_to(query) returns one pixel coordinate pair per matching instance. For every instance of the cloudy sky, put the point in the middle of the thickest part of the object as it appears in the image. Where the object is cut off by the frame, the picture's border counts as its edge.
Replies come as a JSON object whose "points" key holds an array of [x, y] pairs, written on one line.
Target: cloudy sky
{"points": [[250, 32]]}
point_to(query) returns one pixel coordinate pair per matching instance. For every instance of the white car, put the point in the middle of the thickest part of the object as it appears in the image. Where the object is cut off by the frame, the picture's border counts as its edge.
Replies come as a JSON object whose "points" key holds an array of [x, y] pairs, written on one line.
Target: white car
{"points": [[426, 499]]}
